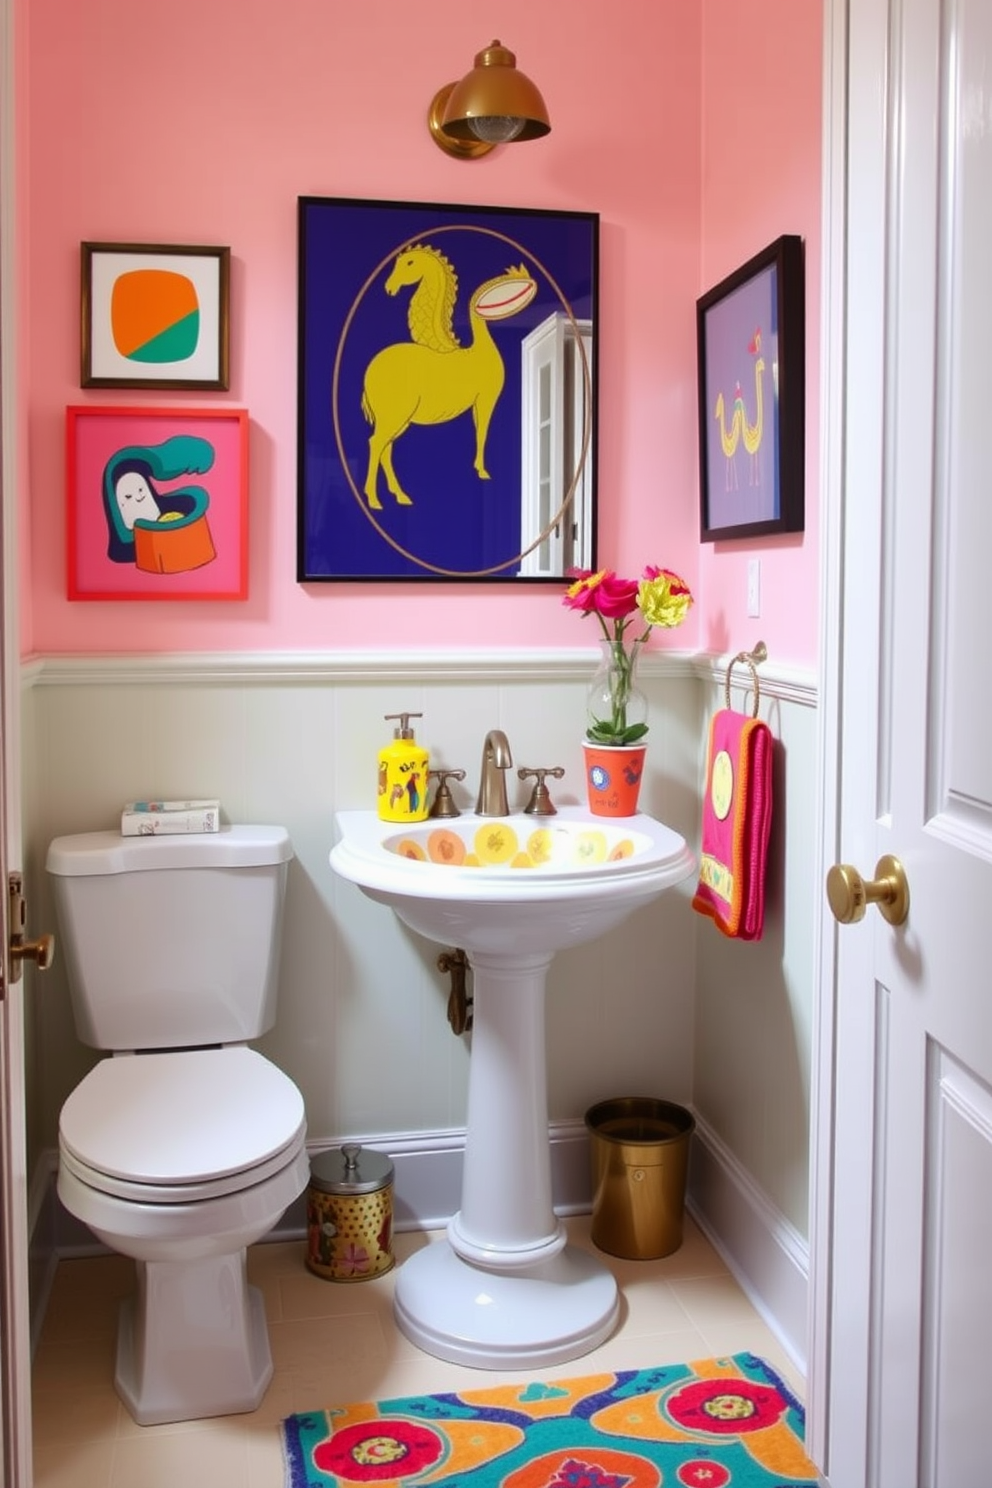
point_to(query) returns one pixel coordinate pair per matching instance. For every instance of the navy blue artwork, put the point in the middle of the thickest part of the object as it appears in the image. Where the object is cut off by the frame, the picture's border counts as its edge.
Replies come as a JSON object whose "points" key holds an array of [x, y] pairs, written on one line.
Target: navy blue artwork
{"points": [[413, 320]]}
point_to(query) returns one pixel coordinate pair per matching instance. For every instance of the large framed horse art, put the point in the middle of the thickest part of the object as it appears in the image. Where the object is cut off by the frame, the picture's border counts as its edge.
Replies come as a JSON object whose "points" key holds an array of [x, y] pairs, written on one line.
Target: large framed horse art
{"points": [[447, 391]]}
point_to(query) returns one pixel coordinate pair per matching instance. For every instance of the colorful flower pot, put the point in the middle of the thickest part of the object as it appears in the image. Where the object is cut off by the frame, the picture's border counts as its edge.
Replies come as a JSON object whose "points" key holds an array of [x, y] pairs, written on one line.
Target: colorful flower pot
{"points": [[613, 777]]}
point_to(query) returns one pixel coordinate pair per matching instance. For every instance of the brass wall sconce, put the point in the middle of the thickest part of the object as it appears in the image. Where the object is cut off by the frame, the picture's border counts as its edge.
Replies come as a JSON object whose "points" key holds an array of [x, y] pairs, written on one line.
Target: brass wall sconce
{"points": [[491, 105]]}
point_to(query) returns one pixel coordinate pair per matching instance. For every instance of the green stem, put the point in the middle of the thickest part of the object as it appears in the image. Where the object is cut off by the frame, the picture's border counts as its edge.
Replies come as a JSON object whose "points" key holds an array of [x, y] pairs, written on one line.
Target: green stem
{"points": [[621, 673]]}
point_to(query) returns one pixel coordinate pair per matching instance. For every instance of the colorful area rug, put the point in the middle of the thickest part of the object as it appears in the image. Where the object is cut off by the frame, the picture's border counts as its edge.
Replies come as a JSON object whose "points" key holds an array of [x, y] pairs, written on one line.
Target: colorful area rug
{"points": [[715, 1423]]}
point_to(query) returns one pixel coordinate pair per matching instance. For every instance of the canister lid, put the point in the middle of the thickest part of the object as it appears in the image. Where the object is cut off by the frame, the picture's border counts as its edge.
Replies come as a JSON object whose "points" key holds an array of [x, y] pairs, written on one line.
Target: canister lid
{"points": [[352, 1169]]}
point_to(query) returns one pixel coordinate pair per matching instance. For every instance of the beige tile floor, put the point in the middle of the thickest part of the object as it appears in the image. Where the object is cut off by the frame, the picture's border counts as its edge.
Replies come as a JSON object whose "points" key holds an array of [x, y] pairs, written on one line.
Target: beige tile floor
{"points": [[334, 1343]]}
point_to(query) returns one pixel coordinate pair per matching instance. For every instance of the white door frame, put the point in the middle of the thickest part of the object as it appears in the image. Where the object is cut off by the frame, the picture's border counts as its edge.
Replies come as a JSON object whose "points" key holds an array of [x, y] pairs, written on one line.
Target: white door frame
{"points": [[833, 249], [856, 101], [15, 1356]]}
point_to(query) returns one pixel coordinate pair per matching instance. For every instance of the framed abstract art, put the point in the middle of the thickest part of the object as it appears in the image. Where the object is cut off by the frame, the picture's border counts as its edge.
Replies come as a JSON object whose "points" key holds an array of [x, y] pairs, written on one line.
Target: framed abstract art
{"points": [[156, 503], [154, 316], [752, 390]]}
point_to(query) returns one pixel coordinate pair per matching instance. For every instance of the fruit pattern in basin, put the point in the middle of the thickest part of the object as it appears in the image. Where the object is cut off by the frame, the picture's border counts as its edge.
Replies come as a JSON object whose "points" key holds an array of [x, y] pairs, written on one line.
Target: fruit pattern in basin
{"points": [[498, 844]]}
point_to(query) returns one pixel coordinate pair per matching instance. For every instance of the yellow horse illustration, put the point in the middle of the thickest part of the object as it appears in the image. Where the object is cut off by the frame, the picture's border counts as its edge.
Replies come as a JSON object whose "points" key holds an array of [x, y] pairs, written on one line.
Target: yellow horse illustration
{"points": [[432, 378]]}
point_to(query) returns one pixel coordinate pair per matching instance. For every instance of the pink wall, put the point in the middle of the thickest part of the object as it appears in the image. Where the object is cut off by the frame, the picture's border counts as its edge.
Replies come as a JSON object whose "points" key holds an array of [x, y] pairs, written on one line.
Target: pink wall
{"points": [[761, 111], [204, 123]]}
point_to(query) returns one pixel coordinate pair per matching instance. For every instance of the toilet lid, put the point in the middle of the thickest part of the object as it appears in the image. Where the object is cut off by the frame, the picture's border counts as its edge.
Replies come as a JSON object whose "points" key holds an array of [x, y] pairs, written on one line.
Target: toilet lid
{"points": [[220, 1118]]}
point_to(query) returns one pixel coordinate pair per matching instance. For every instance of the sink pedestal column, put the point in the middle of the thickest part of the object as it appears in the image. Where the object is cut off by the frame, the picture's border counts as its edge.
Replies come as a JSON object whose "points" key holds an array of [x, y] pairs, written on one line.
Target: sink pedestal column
{"points": [[504, 1291]]}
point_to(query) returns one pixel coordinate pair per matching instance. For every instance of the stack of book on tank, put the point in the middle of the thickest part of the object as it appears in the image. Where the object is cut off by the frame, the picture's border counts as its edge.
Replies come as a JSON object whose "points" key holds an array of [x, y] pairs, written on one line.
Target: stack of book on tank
{"points": [[166, 818]]}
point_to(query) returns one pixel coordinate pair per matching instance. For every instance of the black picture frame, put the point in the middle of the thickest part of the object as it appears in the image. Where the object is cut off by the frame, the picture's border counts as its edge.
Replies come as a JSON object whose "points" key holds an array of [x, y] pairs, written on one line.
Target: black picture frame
{"points": [[480, 489], [155, 316], [751, 475]]}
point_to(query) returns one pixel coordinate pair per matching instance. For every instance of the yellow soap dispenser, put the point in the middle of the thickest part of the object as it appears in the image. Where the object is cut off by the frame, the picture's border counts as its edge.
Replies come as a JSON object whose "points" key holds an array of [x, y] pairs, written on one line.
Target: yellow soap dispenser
{"points": [[403, 768]]}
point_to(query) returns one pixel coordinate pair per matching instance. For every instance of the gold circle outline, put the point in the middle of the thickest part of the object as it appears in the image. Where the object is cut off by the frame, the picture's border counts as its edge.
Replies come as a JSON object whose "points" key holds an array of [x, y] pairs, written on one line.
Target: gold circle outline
{"points": [[455, 573]]}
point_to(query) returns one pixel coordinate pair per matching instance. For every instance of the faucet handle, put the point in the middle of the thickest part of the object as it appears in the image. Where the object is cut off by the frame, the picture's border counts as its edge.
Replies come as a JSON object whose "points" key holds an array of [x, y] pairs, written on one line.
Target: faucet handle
{"points": [[444, 803], [540, 803]]}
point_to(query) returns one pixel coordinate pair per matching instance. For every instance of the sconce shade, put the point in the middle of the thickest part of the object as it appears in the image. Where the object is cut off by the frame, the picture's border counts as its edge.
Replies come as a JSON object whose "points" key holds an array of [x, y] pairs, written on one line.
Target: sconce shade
{"points": [[495, 102]]}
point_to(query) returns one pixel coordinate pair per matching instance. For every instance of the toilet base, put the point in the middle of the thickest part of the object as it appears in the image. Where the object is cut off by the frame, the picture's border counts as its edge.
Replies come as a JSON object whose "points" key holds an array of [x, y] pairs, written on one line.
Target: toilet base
{"points": [[192, 1342]]}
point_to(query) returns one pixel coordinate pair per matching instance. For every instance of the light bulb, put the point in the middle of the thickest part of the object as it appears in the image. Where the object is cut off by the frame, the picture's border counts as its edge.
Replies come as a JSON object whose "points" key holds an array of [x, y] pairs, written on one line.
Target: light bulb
{"points": [[496, 129]]}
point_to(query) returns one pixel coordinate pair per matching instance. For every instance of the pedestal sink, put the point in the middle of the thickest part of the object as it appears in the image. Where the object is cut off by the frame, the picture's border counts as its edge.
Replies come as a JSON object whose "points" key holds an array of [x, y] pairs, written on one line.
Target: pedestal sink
{"points": [[503, 1290]]}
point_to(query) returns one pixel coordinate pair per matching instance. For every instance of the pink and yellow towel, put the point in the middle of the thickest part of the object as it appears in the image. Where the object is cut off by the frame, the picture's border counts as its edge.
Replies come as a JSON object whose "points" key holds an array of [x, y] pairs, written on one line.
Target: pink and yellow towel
{"points": [[737, 814]]}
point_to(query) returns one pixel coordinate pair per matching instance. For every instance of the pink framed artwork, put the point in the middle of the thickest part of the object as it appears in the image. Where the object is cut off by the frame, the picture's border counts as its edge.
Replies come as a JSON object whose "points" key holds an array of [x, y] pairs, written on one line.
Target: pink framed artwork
{"points": [[157, 503]]}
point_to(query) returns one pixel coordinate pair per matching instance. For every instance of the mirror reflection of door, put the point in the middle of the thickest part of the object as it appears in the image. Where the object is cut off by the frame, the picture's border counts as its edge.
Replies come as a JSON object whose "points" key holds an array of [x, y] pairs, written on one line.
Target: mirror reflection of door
{"points": [[556, 447]]}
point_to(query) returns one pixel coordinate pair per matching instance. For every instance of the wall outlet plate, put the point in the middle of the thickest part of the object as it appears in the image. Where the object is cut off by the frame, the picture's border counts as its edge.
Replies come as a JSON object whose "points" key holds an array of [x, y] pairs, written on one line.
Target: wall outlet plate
{"points": [[754, 588]]}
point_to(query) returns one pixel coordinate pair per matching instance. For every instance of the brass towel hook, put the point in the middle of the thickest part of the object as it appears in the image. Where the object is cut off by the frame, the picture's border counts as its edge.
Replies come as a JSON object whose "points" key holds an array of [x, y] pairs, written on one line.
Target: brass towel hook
{"points": [[751, 659]]}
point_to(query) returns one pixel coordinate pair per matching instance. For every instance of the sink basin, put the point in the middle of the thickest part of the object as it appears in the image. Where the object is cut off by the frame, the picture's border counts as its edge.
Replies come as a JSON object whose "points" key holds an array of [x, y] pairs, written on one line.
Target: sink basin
{"points": [[503, 1290], [559, 846], [478, 881]]}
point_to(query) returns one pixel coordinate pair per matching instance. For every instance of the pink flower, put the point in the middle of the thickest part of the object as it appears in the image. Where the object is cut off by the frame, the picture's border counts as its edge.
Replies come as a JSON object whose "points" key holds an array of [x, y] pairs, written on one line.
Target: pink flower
{"points": [[354, 1259], [383, 1449], [603, 594]]}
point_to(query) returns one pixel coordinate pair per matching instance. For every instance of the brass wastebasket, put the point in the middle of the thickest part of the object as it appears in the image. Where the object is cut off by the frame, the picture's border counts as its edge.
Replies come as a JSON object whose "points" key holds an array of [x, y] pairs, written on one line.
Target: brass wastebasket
{"points": [[640, 1158]]}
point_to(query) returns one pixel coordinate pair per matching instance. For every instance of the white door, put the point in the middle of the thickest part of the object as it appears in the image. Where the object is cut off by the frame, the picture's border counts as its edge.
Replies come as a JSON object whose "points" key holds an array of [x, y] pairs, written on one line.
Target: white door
{"points": [[903, 1163]]}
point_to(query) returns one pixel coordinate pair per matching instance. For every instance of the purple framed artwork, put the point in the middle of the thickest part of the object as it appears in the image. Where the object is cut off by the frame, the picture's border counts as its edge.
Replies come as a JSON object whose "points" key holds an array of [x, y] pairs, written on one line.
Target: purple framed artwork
{"points": [[157, 503], [447, 391], [750, 332]]}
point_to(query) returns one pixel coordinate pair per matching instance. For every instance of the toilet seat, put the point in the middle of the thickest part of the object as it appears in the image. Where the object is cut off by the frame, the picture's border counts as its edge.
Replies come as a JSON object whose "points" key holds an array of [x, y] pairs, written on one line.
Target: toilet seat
{"points": [[181, 1127], [138, 1192]]}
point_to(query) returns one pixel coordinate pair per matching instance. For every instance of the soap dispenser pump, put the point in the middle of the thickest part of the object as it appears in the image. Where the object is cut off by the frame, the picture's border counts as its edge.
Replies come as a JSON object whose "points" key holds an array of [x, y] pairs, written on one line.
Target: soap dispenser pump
{"points": [[403, 766]]}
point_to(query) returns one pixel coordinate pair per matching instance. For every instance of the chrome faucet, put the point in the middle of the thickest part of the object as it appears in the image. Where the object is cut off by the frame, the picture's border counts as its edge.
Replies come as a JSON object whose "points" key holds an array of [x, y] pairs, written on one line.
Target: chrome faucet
{"points": [[496, 760]]}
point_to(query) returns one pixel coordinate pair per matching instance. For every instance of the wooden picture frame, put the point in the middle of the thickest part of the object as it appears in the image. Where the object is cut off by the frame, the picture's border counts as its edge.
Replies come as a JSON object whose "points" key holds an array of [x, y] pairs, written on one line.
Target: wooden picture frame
{"points": [[489, 473], [154, 315], [750, 331], [156, 503]]}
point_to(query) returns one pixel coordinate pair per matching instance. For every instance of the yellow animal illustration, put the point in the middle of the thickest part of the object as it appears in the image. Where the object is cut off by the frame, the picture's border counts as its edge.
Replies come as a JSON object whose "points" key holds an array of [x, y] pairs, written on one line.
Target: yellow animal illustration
{"points": [[432, 378], [752, 432], [730, 440]]}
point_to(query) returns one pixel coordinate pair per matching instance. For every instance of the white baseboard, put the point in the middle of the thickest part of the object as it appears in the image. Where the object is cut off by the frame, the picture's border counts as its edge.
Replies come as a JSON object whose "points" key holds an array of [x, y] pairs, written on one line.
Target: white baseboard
{"points": [[427, 1181], [764, 1251]]}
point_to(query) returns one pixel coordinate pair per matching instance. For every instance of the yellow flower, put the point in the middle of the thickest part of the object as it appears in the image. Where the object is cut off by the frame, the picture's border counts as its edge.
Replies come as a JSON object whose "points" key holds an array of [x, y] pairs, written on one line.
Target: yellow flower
{"points": [[663, 598]]}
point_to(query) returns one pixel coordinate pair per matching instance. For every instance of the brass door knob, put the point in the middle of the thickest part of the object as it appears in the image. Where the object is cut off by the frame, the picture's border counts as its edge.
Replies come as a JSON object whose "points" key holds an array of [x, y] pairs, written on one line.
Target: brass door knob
{"points": [[41, 951], [849, 894]]}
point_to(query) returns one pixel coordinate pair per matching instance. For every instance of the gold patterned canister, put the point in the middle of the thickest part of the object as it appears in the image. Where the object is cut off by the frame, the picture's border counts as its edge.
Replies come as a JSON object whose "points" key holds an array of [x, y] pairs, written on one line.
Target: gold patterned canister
{"points": [[350, 1214]]}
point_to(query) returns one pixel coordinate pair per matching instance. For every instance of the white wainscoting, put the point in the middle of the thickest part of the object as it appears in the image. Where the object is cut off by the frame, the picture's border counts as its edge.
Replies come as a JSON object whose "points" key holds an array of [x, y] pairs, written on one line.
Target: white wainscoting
{"points": [[649, 1009]]}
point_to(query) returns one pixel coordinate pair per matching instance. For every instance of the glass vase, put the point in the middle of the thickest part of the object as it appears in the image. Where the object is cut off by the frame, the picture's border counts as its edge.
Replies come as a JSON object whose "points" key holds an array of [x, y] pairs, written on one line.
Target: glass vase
{"points": [[614, 698]]}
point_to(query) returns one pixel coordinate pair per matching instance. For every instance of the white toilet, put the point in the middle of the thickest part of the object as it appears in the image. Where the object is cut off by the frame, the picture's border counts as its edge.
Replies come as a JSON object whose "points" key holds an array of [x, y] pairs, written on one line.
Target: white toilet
{"points": [[187, 1146]]}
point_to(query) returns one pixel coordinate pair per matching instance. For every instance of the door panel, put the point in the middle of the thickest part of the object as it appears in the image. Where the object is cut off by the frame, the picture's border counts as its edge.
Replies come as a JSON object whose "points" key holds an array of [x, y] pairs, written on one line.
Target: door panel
{"points": [[965, 527], [956, 1310]]}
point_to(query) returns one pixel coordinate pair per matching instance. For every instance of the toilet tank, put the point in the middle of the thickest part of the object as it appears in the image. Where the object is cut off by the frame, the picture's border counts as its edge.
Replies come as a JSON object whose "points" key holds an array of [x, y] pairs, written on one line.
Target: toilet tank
{"points": [[171, 942]]}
